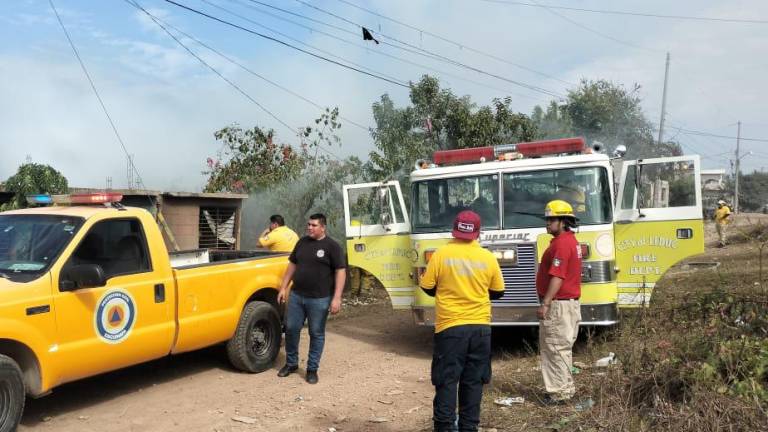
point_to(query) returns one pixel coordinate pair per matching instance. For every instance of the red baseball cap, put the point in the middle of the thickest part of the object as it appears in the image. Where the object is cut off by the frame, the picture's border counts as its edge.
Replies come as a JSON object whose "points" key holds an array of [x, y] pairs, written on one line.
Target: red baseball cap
{"points": [[466, 226]]}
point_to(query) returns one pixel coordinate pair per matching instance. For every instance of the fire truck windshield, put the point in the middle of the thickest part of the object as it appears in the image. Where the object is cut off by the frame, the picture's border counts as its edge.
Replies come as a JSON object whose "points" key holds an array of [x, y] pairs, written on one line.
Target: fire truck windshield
{"points": [[436, 202]]}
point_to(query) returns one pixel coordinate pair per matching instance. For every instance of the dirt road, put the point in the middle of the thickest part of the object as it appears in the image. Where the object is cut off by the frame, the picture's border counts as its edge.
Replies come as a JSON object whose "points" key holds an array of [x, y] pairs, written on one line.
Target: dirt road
{"points": [[374, 377]]}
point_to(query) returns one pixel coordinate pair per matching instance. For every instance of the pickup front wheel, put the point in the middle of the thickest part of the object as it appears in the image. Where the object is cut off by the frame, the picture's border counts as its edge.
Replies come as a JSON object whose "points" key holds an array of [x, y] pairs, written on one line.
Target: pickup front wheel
{"points": [[256, 342], [11, 394]]}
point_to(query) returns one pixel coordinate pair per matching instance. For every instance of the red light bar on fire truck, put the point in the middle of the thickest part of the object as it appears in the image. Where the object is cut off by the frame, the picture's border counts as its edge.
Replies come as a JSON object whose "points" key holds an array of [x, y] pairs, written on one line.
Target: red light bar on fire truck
{"points": [[510, 151], [84, 199]]}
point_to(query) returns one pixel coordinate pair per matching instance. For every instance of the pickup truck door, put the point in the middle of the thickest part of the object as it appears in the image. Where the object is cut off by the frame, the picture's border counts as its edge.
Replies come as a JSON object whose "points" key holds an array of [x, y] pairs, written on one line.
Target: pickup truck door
{"points": [[127, 321], [658, 222], [378, 237]]}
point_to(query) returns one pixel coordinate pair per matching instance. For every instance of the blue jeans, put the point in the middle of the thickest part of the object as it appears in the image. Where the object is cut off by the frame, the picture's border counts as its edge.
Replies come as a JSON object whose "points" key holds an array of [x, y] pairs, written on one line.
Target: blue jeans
{"points": [[314, 310]]}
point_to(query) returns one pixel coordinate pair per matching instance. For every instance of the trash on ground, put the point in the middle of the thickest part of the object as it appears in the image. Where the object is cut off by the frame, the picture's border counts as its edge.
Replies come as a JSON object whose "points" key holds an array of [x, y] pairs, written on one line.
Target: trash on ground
{"points": [[580, 365], [379, 420], [584, 405], [244, 419], [575, 370], [606, 361], [509, 401]]}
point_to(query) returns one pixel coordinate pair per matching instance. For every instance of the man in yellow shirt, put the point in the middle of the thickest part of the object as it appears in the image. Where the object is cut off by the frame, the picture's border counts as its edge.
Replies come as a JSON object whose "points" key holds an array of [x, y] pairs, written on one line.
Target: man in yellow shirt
{"points": [[722, 219], [278, 237], [463, 277]]}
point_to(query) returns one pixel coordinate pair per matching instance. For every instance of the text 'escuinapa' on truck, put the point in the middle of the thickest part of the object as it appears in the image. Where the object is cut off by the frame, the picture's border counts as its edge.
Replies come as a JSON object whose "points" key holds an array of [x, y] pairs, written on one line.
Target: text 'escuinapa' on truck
{"points": [[632, 227]]}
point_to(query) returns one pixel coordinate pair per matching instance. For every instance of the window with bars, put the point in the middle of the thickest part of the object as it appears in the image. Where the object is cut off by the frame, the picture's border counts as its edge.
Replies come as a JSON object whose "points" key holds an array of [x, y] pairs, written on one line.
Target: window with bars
{"points": [[217, 228]]}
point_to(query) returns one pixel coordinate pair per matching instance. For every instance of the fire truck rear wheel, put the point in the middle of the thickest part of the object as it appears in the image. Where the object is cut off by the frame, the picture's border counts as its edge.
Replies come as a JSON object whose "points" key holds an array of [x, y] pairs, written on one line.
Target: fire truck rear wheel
{"points": [[12, 394]]}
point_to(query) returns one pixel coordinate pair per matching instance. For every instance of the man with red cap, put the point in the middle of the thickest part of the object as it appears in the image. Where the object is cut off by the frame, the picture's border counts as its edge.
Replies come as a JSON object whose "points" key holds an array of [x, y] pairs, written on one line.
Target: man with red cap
{"points": [[463, 277]]}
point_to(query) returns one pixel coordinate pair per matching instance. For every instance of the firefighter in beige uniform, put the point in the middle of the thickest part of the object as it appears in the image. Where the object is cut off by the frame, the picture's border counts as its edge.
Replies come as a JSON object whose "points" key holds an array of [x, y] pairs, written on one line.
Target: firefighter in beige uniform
{"points": [[558, 283]]}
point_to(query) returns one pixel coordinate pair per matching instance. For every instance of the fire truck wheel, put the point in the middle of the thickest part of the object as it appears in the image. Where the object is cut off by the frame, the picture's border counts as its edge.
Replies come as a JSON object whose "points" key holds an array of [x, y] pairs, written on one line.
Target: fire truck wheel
{"points": [[256, 342], [12, 394]]}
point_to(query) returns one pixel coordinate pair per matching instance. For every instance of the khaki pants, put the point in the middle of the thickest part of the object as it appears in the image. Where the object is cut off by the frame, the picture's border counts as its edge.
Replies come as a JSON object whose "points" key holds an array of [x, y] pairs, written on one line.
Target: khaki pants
{"points": [[720, 232], [557, 334]]}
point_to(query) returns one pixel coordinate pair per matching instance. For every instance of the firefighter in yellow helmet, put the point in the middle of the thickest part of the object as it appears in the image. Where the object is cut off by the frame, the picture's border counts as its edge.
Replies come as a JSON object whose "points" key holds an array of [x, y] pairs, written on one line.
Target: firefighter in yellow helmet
{"points": [[558, 284]]}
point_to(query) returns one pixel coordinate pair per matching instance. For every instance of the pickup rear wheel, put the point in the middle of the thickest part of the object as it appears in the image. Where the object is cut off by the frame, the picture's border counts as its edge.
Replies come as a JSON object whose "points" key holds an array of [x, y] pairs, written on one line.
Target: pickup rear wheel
{"points": [[256, 342], [11, 394]]}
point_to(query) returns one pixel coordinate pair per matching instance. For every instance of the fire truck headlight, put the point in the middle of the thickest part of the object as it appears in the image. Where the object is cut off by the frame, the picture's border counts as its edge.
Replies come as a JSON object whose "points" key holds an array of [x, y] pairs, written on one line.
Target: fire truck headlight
{"points": [[508, 255], [604, 245]]}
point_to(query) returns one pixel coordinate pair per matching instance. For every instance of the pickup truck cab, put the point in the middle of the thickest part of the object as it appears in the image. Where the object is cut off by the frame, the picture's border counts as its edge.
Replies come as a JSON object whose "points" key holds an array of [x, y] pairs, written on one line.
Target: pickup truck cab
{"points": [[90, 289]]}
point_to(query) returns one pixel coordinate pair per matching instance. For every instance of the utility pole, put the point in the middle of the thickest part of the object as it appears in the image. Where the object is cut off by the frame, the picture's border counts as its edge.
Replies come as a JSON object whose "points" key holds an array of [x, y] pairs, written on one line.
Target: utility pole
{"points": [[738, 162], [664, 102]]}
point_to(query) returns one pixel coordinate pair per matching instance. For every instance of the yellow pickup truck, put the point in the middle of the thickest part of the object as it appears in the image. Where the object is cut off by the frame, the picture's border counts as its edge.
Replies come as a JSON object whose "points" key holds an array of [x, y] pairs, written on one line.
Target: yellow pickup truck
{"points": [[90, 289]]}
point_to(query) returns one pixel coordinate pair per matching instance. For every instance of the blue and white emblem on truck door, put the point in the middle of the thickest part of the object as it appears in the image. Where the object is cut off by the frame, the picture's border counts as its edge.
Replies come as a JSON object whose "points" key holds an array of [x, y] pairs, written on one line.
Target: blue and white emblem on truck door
{"points": [[115, 315]]}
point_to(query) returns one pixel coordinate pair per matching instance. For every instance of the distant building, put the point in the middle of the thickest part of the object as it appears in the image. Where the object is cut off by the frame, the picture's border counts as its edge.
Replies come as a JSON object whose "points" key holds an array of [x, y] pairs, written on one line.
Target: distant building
{"points": [[713, 180]]}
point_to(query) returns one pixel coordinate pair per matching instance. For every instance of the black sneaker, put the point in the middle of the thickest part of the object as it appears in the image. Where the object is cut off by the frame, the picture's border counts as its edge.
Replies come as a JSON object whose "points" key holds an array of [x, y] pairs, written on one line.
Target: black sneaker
{"points": [[312, 376], [286, 370]]}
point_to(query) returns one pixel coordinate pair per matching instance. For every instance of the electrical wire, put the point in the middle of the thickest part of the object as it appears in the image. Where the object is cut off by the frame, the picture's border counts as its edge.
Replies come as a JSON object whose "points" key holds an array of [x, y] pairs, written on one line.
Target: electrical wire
{"points": [[596, 32], [255, 33], [430, 54], [400, 59], [98, 96], [638, 14], [256, 74], [707, 134], [157, 21], [457, 44]]}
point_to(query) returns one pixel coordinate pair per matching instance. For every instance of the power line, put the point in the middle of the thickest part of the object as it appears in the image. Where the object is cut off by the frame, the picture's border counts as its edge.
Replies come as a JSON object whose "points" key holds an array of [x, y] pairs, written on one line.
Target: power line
{"points": [[639, 14], [457, 44], [596, 32], [256, 74], [400, 59], [211, 17], [96, 92], [707, 134], [289, 37], [433, 55], [213, 69], [165, 29]]}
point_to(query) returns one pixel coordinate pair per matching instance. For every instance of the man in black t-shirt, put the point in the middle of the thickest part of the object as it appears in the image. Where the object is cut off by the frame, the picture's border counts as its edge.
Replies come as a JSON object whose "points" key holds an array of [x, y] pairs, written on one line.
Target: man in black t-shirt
{"points": [[317, 270]]}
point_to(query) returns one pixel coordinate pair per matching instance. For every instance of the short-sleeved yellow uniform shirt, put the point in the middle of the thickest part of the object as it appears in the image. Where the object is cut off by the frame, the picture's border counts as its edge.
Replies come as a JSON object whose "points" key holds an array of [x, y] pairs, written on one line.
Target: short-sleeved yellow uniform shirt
{"points": [[280, 239], [463, 273]]}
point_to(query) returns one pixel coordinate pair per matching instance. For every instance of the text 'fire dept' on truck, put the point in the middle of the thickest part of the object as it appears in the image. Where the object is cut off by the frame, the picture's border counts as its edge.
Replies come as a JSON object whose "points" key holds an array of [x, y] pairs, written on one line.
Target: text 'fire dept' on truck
{"points": [[632, 229]]}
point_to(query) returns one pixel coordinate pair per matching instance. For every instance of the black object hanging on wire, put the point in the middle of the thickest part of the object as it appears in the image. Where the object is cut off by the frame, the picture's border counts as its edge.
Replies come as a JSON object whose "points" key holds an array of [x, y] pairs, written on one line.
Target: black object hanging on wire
{"points": [[367, 35]]}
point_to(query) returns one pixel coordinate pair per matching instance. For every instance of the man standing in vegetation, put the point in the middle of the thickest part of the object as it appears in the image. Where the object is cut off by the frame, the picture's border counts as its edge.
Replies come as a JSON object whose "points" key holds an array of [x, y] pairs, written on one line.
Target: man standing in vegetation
{"points": [[722, 219], [558, 283], [317, 270], [463, 277], [278, 237]]}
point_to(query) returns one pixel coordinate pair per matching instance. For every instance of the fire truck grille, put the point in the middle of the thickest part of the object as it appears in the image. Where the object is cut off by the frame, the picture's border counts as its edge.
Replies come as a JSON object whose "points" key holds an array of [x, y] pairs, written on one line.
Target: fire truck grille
{"points": [[520, 280]]}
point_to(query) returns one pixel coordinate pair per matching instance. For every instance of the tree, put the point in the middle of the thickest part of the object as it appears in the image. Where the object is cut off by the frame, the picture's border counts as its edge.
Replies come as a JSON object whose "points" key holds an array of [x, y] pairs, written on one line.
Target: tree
{"points": [[438, 119], [31, 179], [753, 191], [606, 112], [252, 160]]}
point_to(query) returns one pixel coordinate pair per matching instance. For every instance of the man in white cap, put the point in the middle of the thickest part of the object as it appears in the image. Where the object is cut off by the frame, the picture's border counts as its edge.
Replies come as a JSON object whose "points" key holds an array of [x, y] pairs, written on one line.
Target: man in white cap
{"points": [[722, 219]]}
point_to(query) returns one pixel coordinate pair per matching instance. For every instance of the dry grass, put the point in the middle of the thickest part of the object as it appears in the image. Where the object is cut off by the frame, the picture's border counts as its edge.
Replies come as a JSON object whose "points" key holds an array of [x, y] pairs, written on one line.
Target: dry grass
{"points": [[695, 360]]}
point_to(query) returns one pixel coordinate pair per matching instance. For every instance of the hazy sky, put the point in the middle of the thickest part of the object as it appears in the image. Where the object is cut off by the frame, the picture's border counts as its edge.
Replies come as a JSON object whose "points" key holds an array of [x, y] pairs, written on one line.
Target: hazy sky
{"points": [[166, 105]]}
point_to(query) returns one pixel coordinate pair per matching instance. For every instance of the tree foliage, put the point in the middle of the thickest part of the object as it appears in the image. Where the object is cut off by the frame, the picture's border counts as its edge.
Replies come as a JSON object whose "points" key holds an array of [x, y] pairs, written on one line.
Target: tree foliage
{"points": [[438, 119], [252, 160], [31, 179], [753, 191], [606, 112]]}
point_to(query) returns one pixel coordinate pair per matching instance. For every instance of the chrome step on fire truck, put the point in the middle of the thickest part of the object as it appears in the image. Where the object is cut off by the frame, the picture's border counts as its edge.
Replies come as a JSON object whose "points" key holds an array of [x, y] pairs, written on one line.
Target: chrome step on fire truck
{"points": [[633, 227]]}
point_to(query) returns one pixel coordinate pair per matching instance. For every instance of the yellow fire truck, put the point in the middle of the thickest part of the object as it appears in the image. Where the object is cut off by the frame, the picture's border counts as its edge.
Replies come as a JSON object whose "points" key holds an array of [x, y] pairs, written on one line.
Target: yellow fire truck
{"points": [[633, 227]]}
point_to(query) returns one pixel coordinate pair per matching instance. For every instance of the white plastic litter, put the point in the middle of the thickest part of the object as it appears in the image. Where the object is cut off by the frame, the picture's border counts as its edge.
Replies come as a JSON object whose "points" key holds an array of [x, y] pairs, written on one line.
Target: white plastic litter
{"points": [[509, 401], [606, 361]]}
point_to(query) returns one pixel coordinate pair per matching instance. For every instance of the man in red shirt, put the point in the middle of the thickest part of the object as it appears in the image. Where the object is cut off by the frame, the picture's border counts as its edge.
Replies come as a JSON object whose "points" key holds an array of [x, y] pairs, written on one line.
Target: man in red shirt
{"points": [[558, 284]]}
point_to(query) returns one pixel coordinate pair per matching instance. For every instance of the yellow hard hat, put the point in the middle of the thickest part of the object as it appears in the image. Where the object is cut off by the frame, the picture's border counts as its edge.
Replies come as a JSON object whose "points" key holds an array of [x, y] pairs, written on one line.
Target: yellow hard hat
{"points": [[558, 208]]}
